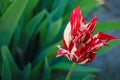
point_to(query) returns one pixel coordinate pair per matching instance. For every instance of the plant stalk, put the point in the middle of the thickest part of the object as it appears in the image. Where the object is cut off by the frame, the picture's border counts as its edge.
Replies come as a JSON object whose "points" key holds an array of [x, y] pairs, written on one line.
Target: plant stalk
{"points": [[71, 71]]}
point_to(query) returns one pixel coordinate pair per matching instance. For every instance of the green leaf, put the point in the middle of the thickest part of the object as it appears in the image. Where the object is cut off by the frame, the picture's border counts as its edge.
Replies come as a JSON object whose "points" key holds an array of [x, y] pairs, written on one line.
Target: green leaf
{"points": [[45, 4], [53, 53], [53, 31], [10, 19], [86, 5], [88, 77], [40, 58], [43, 31], [86, 8], [82, 76], [4, 4], [107, 26], [30, 28], [43, 28], [48, 51], [47, 70], [107, 48], [29, 8], [35, 72], [66, 66], [6, 73], [78, 76], [15, 40], [13, 67], [60, 6], [26, 72]]}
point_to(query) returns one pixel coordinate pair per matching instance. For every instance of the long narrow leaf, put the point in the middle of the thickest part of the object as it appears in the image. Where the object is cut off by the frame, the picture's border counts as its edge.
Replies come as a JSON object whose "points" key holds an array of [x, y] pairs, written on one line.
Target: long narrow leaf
{"points": [[66, 66], [6, 72], [30, 28], [40, 58], [13, 67], [47, 70], [107, 26], [15, 40], [53, 31], [26, 72], [78, 76], [60, 6], [10, 19], [43, 28], [29, 9]]}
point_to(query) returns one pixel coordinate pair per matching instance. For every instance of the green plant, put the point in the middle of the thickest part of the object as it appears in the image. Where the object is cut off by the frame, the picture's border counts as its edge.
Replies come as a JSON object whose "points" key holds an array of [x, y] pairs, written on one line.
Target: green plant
{"points": [[29, 33]]}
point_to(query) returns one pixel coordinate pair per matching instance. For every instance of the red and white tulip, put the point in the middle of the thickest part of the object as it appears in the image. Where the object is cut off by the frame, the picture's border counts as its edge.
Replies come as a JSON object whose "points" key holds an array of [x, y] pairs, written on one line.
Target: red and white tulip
{"points": [[79, 44]]}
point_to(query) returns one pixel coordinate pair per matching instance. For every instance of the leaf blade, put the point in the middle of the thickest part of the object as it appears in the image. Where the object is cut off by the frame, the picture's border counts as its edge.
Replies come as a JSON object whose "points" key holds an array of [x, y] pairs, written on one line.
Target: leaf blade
{"points": [[6, 70], [66, 66], [13, 67], [30, 28], [47, 70], [53, 31], [107, 26], [10, 19]]}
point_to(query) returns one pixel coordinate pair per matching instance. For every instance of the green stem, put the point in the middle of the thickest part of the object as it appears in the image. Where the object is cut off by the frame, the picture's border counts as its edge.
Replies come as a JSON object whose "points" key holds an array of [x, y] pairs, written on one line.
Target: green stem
{"points": [[71, 71]]}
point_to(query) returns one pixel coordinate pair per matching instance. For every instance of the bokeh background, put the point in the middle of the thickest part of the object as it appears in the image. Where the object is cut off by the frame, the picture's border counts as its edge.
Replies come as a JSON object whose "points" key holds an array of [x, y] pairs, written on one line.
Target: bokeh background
{"points": [[109, 62], [31, 29]]}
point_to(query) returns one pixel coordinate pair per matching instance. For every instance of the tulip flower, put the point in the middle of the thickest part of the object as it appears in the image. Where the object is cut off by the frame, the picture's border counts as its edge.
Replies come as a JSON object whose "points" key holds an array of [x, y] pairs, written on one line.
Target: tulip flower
{"points": [[80, 45]]}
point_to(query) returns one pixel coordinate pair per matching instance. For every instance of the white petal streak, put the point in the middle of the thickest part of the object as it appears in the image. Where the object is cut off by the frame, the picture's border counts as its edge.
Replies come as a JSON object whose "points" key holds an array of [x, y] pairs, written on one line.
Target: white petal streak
{"points": [[74, 49], [83, 62], [97, 46], [67, 34], [96, 35], [83, 27]]}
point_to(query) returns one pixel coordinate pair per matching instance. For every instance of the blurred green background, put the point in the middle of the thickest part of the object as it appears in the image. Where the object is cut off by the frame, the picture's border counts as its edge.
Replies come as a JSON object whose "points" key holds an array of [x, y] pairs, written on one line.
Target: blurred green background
{"points": [[30, 31]]}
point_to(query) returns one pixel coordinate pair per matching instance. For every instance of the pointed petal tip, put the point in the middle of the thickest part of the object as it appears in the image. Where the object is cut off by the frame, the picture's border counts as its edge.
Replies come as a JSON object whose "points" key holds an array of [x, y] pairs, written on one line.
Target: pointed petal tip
{"points": [[57, 56], [58, 46], [92, 24], [61, 52], [116, 38], [113, 38], [106, 37], [105, 44], [77, 8], [95, 18]]}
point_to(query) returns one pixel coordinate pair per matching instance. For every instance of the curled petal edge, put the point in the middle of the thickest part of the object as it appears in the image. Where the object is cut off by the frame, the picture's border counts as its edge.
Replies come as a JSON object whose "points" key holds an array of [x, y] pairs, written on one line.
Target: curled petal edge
{"points": [[61, 51]]}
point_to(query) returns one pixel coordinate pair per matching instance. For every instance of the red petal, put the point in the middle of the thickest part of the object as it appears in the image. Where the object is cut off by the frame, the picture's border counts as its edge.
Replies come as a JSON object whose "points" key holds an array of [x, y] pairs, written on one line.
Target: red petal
{"points": [[80, 36], [92, 24], [93, 46], [71, 45], [98, 41], [91, 56], [64, 43], [78, 53], [61, 52], [86, 57], [105, 37], [74, 59], [87, 38], [76, 19]]}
